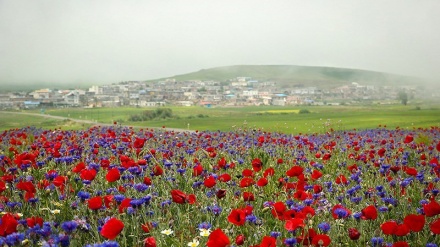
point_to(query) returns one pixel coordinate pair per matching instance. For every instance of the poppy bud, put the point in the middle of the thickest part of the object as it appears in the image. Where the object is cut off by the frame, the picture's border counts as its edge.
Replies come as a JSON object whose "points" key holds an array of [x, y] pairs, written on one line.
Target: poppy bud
{"points": [[239, 240], [353, 233]]}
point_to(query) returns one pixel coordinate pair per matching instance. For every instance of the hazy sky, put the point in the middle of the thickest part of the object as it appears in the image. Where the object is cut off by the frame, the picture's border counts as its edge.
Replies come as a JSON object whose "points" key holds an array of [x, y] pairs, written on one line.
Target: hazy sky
{"points": [[106, 41]]}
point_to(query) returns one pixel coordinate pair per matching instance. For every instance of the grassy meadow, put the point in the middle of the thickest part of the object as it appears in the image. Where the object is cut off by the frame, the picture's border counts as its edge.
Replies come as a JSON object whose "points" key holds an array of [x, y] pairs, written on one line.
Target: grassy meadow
{"points": [[279, 119]]}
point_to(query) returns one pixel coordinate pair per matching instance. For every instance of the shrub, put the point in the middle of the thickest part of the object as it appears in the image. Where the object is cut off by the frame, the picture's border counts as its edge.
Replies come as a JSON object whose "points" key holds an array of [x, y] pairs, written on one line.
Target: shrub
{"points": [[303, 111]]}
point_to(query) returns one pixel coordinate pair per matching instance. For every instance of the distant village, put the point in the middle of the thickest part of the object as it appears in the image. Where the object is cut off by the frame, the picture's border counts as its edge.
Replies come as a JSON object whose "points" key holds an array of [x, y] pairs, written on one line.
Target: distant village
{"points": [[240, 91]]}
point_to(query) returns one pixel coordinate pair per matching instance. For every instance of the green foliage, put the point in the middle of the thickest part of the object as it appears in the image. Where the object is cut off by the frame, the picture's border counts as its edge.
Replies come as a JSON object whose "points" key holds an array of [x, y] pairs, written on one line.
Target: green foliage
{"points": [[159, 113], [403, 97], [303, 111], [421, 138]]}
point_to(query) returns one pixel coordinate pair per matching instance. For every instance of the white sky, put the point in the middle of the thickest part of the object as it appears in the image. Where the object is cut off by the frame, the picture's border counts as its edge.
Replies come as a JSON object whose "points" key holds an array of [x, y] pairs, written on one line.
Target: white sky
{"points": [[106, 41]]}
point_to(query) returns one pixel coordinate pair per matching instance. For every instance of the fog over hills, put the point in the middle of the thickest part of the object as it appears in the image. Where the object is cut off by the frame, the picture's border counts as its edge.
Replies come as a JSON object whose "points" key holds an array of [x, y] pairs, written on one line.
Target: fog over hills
{"points": [[288, 75], [294, 75]]}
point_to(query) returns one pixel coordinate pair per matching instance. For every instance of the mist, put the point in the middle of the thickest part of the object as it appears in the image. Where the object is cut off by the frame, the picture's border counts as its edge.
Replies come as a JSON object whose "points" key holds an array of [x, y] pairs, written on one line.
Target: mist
{"points": [[101, 41]]}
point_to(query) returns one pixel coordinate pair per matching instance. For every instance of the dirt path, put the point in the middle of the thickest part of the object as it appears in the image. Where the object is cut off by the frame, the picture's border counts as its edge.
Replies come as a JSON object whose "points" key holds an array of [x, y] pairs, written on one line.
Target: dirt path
{"points": [[82, 121]]}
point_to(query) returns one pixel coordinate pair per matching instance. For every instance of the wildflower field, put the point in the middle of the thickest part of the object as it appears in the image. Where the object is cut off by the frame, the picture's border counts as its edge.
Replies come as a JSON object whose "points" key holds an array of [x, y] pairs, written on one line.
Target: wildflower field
{"points": [[119, 186]]}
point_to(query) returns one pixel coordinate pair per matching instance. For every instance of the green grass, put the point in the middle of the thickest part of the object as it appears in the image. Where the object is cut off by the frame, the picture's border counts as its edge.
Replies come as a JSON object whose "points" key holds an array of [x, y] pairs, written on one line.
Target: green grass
{"points": [[280, 119], [13, 121]]}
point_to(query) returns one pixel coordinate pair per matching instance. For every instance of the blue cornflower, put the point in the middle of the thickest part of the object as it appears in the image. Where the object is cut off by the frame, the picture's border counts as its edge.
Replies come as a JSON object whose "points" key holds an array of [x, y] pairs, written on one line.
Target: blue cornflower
{"points": [[383, 209], [357, 215], [165, 203], [308, 202], [209, 193], [204, 225], [136, 202], [215, 209], [431, 245], [69, 226], [130, 210], [376, 241], [356, 199], [290, 242], [83, 195], [140, 187], [197, 184], [275, 234], [118, 198], [64, 240], [147, 199], [14, 238], [109, 244], [324, 227]]}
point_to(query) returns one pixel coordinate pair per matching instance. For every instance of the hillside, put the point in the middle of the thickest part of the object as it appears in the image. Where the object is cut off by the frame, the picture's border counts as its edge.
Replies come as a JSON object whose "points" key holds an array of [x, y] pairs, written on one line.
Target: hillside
{"points": [[293, 75]]}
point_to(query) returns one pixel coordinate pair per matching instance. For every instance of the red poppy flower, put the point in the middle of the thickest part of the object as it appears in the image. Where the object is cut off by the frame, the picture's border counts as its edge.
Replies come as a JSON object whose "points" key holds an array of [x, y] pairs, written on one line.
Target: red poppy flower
{"points": [[191, 198], [248, 196], [220, 193], [435, 226], [294, 171], [60, 181], [33, 221], [209, 182], [262, 182], [246, 182], [268, 241], [317, 188], [95, 203], [88, 174], [239, 240], [341, 179], [257, 164], [224, 178], [389, 227], [2, 186], [369, 213], [26, 186], [414, 222], [400, 244], [293, 224], [321, 240], [108, 201], [150, 242], [8, 225], [353, 233], [381, 152], [278, 209], [218, 238], [308, 211], [316, 174], [221, 162], [178, 196], [113, 175], [124, 204], [147, 181], [401, 230], [408, 139], [237, 217], [157, 170], [269, 172], [431, 209], [112, 228], [438, 146], [197, 170], [147, 227], [247, 173]]}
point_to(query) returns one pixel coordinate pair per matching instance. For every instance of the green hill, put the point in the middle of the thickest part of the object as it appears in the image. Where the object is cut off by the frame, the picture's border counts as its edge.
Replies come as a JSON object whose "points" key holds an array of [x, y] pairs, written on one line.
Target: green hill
{"points": [[300, 75]]}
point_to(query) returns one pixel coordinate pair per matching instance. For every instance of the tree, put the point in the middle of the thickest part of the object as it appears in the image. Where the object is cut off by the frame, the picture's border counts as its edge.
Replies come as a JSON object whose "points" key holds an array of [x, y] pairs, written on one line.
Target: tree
{"points": [[403, 97]]}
